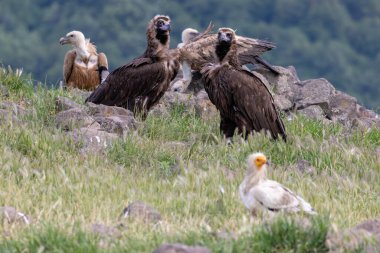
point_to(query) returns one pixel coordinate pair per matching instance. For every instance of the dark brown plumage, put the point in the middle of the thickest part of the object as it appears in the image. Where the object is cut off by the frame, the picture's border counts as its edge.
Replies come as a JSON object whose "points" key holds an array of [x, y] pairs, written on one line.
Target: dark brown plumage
{"points": [[243, 100], [140, 84]]}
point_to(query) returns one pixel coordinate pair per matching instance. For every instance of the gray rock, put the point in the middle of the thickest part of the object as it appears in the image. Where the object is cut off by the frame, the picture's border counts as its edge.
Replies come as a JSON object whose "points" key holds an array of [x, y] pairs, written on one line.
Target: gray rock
{"points": [[204, 108], [365, 123], [64, 103], [181, 248], [105, 231], [313, 112], [160, 110], [314, 92], [119, 124], [74, 118], [81, 93], [282, 103], [283, 84], [11, 215], [92, 140], [305, 167], [342, 107], [140, 211], [14, 108], [4, 92], [106, 111]]}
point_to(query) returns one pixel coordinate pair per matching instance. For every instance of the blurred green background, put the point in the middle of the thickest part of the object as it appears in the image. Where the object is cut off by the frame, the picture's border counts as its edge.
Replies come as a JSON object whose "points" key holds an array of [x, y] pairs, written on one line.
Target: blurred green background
{"points": [[335, 39]]}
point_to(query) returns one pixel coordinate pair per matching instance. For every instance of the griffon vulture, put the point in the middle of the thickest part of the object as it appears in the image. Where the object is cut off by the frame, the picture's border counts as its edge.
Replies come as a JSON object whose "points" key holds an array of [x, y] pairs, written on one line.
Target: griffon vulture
{"points": [[197, 49], [140, 84], [259, 193], [83, 67], [243, 100]]}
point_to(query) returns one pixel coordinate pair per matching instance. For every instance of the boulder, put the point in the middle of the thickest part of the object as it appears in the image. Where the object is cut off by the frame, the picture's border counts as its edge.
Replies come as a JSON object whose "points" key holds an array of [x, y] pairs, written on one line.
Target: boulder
{"points": [[92, 140], [105, 231], [313, 112], [204, 108], [64, 103], [74, 118], [342, 107], [140, 211], [171, 99], [181, 248], [282, 102], [118, 124], [106, 111], [16, 109], [314, 92], [12, 215]]}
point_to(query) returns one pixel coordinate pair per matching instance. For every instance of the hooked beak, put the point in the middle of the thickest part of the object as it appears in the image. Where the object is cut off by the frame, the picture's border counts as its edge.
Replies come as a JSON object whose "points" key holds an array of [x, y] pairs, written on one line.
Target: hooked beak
{"points": [[164, 27], [224, 38], [64, 40]]}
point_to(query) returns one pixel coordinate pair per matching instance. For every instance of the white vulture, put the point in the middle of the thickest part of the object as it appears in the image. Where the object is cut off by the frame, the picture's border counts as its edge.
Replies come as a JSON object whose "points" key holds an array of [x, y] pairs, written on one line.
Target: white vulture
{"points": [[259, 193], [83, 67]]}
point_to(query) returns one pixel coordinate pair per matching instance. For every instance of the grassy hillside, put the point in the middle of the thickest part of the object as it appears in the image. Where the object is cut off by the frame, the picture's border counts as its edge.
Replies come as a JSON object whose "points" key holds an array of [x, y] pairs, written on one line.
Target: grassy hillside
{"points": [[43, 174]]}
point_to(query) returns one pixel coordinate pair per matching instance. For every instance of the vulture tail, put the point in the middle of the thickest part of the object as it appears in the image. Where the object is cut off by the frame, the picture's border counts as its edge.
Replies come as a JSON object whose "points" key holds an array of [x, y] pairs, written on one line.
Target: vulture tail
{"points": [[266, 64], [98, 95]]}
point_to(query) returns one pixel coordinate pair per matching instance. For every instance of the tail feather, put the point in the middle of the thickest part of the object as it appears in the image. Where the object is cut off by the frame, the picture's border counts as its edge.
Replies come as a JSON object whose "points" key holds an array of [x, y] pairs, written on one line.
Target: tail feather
{"points": [[266, 64], [98, 95]]}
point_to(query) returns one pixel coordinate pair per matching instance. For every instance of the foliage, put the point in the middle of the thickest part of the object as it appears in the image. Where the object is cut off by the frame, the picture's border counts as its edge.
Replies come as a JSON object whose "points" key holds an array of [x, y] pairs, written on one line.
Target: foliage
{"points": [[331, 39]]}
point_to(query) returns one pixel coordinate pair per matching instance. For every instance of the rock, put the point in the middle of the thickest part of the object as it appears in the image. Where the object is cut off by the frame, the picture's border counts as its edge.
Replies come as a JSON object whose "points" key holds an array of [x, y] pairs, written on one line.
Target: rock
{"points": [[305, 167], [282, 103], [365, 236], [11, 215], [160, 110], [64, 103], [313, 112], [74, 118], [16, 109], [204, 108], [283, 84], [120, 124], [314, 92], [365, 123], [342, 107], [140, 211], [92, 140], [81, 93], [181, 248], [4, 92], [378, 154], [106, 111], [105, 231]]}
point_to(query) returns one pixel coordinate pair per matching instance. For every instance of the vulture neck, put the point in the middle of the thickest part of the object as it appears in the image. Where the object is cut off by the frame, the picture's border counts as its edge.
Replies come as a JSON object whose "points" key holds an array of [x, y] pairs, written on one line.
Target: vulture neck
{"points": [[82, 51], [254, 178], [158, 44], [226, 53]]}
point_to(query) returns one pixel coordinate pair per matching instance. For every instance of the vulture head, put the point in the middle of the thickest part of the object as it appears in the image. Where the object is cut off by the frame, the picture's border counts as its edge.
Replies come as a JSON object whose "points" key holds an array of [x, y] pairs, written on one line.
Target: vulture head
{"points": [[257, 162], [188, 34], [74, 38], [226, 38], [159, 28]]}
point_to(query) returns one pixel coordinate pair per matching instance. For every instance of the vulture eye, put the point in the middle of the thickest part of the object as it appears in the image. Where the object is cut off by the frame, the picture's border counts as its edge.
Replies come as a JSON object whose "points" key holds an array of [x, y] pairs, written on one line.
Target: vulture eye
{"points": [[72, 35], [160, 22], [229, 35]]}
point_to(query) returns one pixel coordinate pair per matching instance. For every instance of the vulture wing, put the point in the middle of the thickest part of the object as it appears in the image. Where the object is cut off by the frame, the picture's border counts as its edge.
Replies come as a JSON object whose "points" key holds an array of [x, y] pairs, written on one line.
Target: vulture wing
{"points": [[202, 49], [253, 103], [132, 83], [68, 65]]}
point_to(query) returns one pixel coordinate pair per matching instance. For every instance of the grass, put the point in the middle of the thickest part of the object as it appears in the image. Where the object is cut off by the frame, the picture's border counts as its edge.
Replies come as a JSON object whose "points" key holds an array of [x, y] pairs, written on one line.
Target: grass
{"points": [[177, 164]]}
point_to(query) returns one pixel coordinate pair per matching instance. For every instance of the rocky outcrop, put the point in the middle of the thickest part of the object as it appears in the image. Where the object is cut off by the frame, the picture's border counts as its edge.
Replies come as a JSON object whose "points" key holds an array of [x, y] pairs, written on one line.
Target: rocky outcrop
{"points": [[140, 211], [181, 248]]}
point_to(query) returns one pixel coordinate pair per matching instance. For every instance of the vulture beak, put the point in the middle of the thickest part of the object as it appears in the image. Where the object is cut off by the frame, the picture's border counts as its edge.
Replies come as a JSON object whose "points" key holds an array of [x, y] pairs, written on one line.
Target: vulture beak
{"points": [[164, 27], [64, 40], [224, 38]]}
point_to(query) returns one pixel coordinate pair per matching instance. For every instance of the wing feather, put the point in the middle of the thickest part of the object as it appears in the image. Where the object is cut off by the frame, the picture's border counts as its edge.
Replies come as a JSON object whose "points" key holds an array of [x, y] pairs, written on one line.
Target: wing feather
{"points": [[68, 65]]}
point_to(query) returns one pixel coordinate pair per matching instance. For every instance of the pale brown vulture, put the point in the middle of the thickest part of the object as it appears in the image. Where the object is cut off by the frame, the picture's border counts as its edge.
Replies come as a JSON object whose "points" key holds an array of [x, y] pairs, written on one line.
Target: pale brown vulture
{"points": [[198, 49], [243, 100], [140, 84], [83, 67]]}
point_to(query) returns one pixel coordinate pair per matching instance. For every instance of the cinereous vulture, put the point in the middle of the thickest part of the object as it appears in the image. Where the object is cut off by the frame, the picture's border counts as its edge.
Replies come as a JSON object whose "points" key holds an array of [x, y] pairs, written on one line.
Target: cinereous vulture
{"points": [[83, 67], [243, 100], [140, 84]]}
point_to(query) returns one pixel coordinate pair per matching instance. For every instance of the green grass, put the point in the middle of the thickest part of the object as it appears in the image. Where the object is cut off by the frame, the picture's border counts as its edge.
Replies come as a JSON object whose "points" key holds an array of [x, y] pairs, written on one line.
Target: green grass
{"points": [[176, 164]]}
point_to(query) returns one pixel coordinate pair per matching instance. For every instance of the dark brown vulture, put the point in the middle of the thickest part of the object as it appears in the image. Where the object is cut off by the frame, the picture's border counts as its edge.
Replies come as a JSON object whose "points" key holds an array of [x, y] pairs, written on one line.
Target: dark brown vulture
{"points": [[198, 49], [140, 84], [83, 67], [243, 100]]}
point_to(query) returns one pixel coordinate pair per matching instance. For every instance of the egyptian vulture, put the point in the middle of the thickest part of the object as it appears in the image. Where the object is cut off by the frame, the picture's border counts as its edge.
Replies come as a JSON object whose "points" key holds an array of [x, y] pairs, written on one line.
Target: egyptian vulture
{"points": [[243, 100], [198, 49], [83, 67], [140, 84], [261, 194]]}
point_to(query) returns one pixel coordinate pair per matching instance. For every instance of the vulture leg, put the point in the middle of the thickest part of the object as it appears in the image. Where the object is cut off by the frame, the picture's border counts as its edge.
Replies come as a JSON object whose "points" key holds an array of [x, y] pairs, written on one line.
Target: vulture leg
{"points": [[227, 127]]}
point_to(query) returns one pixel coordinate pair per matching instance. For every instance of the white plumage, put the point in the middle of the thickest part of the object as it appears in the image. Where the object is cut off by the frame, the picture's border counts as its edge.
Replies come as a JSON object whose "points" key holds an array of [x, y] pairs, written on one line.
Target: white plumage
{"points": [[259, 193]]}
